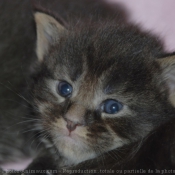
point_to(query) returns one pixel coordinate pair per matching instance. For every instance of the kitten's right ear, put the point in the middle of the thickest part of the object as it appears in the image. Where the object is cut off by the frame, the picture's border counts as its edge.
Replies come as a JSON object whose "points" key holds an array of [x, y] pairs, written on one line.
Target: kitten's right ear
{"points": [[49, 31], [167, 65]]}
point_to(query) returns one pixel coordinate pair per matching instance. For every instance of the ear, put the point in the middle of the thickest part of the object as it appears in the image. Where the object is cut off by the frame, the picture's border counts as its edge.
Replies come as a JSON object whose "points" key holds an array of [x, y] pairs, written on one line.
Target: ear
{"points": [[49, 31], [168, 67]]}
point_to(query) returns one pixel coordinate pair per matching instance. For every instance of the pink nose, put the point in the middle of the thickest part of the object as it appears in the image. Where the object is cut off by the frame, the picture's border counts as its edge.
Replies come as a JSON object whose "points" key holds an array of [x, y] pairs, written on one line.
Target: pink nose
{"points": [[71, 126]]}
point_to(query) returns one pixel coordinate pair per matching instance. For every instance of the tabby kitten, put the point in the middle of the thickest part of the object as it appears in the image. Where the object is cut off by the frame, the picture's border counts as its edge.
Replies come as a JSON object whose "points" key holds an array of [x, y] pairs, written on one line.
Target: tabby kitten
{"points": [[99, 87]]}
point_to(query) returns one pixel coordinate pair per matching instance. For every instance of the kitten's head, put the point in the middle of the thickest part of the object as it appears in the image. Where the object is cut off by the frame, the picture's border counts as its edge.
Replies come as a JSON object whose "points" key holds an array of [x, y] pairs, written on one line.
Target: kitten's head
{"points": [[98, 88]]}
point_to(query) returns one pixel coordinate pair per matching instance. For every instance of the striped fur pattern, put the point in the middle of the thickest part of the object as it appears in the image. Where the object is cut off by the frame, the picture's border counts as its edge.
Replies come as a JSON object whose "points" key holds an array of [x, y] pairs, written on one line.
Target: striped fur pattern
{"points": [[103, 61]]}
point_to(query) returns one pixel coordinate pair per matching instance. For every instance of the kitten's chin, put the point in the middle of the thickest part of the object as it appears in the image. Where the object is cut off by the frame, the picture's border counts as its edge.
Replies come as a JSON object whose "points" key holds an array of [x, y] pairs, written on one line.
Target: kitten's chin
{"points": [[74, 150]]}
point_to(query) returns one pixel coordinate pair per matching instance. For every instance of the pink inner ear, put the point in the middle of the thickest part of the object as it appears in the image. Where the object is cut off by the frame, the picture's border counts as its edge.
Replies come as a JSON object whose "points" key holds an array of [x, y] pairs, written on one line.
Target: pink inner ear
{"points": [[156, 16], [171, 81]]}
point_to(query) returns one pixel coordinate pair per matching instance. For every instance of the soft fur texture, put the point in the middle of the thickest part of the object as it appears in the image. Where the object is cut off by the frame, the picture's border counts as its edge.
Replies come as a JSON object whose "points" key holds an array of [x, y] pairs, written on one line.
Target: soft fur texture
{"points": [[101, 59]]}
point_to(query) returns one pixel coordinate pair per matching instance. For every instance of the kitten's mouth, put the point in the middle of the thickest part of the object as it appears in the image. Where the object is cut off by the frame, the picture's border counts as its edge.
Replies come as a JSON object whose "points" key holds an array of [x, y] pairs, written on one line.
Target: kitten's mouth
{"points": [[70, 139], [73, 136]]}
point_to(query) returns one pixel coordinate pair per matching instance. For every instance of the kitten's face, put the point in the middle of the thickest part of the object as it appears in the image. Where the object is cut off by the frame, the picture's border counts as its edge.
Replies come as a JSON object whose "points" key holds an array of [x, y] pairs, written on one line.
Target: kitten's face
{"points": [[94, 96]]}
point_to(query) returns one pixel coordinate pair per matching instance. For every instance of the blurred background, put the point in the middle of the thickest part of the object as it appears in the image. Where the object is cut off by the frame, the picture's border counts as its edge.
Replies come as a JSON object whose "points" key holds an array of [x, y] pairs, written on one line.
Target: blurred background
{"points": [[157, 16]]}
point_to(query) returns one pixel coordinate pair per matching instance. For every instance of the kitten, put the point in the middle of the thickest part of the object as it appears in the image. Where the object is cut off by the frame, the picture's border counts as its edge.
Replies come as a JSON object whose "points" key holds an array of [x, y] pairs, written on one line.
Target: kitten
{"points": [[101, 88], [17, 42], [17, 53]]}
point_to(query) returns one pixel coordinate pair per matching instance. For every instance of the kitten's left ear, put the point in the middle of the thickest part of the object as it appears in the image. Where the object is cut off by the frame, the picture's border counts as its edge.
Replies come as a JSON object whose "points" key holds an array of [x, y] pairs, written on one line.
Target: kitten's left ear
{"points": [[49, 31], [168, 67]]}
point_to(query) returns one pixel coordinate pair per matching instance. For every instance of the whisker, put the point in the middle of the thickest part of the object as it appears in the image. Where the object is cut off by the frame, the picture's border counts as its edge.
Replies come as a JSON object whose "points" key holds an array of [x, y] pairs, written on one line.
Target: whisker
{"points": [[17, 103], [19, 95], [39, 135], [22, 122], [33, 129], [44, 137]]}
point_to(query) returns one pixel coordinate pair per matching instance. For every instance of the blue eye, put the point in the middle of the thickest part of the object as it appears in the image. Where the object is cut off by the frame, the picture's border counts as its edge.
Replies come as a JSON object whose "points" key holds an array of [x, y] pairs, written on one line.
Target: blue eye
{"points": [[64, 89], [111, 106]]}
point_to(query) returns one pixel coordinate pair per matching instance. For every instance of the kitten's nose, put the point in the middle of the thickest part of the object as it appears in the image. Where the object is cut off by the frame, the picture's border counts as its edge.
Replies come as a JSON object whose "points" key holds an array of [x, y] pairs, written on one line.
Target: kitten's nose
{"points": [[71, 126], [74, 117]]}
